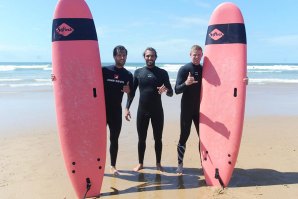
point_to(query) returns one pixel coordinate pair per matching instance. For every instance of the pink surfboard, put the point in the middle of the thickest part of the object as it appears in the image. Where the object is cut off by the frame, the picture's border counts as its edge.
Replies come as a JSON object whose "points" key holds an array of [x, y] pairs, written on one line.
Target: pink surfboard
{"points": [[79, 96], [223, 94]]}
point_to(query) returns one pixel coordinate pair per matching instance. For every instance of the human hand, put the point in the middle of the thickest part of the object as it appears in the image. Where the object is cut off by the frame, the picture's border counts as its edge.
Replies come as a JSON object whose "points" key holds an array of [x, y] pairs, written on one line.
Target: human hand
{"points": [[245, 80], [53, 77], [126, 88], [190, 80], [162, 89], [127, 114]]}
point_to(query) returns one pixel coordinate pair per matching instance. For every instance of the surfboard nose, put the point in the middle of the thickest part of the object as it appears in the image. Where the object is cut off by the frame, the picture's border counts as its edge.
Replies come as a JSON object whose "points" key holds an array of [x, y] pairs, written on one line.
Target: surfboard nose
{"points": [[72, 9], [226, 13]]}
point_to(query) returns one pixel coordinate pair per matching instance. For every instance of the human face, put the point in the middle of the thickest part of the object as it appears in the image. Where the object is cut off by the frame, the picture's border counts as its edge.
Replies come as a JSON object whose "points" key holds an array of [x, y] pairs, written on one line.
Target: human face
{"points": [[196, 56], [120, 59], [150, 58]]}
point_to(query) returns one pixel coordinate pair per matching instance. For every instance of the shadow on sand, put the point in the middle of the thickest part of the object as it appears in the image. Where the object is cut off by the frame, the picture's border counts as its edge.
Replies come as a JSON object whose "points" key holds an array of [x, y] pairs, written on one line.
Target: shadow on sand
{"points": [[262, 177], [167, 180], [193, 178]]}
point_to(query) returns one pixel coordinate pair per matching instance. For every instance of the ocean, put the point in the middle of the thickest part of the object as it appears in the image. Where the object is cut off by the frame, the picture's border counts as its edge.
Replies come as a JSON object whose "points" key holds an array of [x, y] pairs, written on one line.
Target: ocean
{"points": [[14, 76]]}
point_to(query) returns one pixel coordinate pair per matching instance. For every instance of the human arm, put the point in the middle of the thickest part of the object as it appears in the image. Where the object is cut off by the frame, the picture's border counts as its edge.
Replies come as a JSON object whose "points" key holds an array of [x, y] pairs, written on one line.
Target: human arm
{"points": [[166, 87], [180, 80], [130, 96], [133, 87], [185, 78], [126, 88]]}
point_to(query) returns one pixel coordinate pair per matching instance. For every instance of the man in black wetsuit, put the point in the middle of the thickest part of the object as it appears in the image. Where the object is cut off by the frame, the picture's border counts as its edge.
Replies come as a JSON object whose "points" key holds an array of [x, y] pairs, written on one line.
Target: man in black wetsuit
{"points": [[188, 82], [152, 82], [117, 81]]}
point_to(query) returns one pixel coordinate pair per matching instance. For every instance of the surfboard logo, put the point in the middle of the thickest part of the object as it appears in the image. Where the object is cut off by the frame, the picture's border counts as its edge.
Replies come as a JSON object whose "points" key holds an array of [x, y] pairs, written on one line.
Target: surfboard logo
{"points": [[64, 30], [216, 34]]}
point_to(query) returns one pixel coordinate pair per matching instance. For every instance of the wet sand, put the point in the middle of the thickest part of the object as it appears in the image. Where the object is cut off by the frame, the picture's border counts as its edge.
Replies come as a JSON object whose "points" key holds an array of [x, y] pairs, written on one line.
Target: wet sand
{"points": [[267, 167]]}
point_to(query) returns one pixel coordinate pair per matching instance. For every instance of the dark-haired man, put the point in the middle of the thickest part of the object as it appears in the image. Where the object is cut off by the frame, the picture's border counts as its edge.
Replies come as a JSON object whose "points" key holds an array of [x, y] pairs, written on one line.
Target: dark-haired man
{"points": [[152, 82], [117, 81]]}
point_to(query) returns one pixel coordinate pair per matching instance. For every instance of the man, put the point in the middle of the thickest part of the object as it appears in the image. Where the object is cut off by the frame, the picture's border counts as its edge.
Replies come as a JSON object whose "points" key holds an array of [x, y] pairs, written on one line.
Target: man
{"points": [[152, 82], [189, 79], [117, 81]]}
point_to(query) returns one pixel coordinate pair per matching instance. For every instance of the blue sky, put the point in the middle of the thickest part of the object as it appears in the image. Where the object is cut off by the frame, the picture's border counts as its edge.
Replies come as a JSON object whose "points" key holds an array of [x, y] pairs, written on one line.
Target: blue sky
{"points": [[171, 27]]}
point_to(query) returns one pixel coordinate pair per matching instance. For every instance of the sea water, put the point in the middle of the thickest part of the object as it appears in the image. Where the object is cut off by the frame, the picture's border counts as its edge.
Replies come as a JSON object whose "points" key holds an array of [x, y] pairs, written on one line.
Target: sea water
{"points": [[38, 75]]}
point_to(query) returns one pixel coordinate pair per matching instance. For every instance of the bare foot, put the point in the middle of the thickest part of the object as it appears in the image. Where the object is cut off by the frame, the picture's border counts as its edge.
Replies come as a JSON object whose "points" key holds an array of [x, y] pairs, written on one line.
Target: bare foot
{"points": [[138, 167], [114, 171], [159, 167]]}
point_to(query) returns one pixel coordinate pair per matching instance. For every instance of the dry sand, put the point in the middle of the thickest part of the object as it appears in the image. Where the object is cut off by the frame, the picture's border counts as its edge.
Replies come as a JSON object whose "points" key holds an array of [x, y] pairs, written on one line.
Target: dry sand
{"points": [[32, 167]]}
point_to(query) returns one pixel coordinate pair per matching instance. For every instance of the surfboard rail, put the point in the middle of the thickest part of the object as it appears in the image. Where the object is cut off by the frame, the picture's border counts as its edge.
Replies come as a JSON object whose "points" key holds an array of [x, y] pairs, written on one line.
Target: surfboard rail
{"points": [[223, 94], [79, 96]]}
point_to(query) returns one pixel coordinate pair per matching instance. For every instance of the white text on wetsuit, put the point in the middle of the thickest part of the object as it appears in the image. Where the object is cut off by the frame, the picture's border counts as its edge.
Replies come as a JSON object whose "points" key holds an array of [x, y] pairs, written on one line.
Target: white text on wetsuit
{"points": [[115, 80]]}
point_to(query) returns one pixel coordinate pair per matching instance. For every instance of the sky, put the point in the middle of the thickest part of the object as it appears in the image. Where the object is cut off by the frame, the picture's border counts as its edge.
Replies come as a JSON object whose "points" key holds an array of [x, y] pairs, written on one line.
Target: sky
{"points": [[171, 27]]}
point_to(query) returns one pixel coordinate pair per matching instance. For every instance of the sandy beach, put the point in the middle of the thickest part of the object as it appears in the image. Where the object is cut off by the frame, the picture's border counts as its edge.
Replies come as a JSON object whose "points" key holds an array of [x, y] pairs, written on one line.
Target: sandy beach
{"points": [[32, 166]]}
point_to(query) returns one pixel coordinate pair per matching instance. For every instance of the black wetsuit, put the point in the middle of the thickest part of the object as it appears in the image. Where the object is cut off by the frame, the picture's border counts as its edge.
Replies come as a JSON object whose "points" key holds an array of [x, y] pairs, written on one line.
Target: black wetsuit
{"points": [[190, 103], [150, 106], [114, 80]]}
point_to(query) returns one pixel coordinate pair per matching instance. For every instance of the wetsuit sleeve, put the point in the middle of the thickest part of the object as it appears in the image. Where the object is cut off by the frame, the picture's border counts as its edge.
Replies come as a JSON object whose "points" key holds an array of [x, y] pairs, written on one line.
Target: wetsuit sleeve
{"points": [[103, 69], [134, 87], [180, 81], [131, 94], [168, 85]]}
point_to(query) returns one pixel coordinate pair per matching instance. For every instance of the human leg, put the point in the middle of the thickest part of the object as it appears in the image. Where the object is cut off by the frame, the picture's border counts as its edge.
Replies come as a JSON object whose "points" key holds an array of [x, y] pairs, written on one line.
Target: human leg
{"points": [[114, 122], [142, 127], [185, 126], [157, 121]]}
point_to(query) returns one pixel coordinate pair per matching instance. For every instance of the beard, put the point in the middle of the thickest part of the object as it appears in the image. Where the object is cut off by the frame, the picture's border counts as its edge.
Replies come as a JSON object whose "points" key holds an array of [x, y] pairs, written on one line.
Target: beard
{"points": [[150, 63], [120, 63]]}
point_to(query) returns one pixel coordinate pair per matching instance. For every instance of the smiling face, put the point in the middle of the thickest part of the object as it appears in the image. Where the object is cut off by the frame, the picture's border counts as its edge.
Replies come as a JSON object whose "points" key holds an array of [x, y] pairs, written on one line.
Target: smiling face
{"points": [[196, 56], [150, 57]]}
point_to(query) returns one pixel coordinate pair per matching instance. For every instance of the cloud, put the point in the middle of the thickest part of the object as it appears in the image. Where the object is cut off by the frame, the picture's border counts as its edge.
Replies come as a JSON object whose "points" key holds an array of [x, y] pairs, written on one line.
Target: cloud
{"points": [[198, 3], [22, 47], [100, 30], [12, 48], [125, 28], [202, 4], [14, 53], [283, 40], [189, 21], [175, 49], [170, 42]]}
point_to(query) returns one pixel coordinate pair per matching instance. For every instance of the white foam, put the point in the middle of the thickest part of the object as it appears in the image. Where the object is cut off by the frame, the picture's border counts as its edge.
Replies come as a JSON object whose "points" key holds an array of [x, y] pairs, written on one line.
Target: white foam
{"points": [[31, 66], [43, 80], [10, 80], [30, 84], [293, 81], [274, 67]]}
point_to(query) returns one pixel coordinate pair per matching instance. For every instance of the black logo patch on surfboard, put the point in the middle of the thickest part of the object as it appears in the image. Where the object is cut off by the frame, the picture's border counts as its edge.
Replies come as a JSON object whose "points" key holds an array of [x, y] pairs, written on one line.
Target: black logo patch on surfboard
{"points": [[67, 29], [226, 33]]}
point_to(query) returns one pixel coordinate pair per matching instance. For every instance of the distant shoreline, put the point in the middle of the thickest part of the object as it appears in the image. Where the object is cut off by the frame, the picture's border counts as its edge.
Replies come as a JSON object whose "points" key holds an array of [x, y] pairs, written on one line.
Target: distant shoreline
{"points": [[157, 63]]}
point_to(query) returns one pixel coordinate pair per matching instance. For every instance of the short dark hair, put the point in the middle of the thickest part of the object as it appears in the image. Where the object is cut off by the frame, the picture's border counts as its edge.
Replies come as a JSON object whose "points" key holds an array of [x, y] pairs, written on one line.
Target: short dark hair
{"points": [[150, 49], [196, 47], [118, 49]]}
